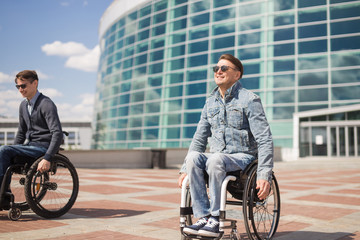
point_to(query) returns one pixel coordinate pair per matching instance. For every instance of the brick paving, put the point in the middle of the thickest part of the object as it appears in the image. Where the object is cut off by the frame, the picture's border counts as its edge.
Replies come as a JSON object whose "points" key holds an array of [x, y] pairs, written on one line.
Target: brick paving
{"points": [[319, 200]]}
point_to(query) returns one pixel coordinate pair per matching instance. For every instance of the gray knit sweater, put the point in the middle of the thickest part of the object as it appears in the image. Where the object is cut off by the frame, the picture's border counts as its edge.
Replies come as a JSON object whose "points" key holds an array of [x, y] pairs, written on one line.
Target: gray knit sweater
{"points": [[42, 128]]}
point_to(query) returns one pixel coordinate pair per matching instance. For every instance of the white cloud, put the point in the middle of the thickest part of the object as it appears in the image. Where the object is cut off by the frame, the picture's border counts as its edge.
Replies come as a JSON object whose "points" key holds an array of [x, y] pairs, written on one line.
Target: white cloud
{"points": [[5, 78], [50, 92], [79, 56], [67, 49], [87, 62], [80, 111], [9, 102]]}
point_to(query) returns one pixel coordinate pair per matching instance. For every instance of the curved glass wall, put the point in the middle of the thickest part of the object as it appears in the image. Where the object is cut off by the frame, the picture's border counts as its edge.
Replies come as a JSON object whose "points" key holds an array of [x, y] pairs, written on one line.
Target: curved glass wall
{"points": [[155, 67]]}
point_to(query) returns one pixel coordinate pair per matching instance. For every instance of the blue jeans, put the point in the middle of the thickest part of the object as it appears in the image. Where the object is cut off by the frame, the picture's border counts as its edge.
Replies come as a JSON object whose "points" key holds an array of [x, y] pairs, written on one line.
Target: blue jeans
{"points": [[9, 152], [216, 165]]}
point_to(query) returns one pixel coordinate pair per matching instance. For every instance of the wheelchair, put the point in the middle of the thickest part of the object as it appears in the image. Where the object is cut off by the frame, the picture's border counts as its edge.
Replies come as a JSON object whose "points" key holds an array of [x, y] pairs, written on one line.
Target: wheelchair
{"points": [[50, 194], [243, 209]]}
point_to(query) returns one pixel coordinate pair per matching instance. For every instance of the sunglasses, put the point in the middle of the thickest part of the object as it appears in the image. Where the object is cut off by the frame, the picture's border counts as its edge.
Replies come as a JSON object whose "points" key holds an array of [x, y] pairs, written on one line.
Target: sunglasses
{"points": [[22, 86], [223, 68]]}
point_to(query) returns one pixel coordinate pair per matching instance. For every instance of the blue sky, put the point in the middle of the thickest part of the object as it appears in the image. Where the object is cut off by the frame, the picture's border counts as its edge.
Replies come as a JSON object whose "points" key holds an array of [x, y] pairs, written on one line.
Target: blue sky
{"points": [[57, 38]]}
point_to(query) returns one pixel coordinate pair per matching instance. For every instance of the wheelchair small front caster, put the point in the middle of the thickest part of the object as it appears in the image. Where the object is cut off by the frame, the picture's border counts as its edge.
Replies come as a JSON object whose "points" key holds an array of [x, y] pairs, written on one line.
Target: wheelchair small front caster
{"points": [[14, 214]]}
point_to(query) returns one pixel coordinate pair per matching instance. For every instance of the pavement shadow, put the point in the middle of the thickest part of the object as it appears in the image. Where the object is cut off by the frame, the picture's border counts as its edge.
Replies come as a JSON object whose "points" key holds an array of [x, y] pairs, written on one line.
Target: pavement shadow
{"points": [[301, 235], [104, 213]]}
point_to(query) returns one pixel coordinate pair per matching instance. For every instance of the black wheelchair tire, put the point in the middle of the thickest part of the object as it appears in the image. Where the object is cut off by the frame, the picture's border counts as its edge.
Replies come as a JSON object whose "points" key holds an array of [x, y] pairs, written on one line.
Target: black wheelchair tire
{"points": [[34, 199], [253, 207]]}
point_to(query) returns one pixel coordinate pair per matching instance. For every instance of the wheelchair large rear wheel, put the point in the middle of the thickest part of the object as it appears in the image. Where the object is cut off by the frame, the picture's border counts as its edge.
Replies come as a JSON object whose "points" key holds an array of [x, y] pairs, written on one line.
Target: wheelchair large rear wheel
{"points": [[52, 194], [189, 217], [261, 217]]}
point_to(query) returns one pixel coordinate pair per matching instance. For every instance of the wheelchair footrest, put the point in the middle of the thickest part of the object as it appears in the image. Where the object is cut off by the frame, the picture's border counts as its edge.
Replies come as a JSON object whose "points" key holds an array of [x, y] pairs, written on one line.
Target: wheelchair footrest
{"points": [[191, 236]]}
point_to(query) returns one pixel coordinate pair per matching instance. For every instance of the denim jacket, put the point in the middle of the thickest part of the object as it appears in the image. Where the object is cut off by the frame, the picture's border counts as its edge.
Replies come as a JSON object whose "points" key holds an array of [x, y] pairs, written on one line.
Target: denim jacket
{"points": [[235, 124]]}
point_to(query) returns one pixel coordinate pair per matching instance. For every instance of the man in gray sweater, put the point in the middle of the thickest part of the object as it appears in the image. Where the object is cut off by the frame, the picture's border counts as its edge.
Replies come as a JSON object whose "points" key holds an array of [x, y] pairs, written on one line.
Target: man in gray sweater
{"points": [[39, 133]]}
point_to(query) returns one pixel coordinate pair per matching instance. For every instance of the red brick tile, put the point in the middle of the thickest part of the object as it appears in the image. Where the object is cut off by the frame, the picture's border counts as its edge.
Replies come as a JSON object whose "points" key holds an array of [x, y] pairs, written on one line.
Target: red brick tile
{"points": [[295, 187], [26, 223], [331, 199], [318, 212], [172, 184], [111, 209], [173, 198], [101, 235], [109, 189], [355, 191]]}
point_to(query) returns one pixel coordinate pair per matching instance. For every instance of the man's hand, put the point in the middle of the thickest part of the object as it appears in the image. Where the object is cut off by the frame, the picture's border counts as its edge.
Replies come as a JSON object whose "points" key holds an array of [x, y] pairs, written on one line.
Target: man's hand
{"points": [[43, 166], [181, 179], [264, 188]]}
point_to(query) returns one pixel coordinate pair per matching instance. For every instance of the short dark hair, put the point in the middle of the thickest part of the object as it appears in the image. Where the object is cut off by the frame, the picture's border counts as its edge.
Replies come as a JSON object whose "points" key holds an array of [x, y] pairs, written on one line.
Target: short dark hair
{"points": [[29, 75], [234, 61]]}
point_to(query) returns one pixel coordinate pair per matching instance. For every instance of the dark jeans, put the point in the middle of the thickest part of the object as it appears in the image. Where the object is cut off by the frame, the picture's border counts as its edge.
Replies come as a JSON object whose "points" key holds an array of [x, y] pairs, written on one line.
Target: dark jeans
{"points": [[9, 152]]}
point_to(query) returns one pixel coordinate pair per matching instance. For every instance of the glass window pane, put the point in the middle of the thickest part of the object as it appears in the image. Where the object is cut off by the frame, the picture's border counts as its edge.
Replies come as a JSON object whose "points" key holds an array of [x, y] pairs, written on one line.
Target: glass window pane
{"points": [[157, 43], [141, 59], [199, 33], [346, 76], [283, 112], [223, 28], [172, 105], [142, 47], [249, 38], [192, 117], [196, 88], [251, 83], [156, 68], [313, 46], [188, 132], [177, 38], [160, 5], [170, 133], [284, 49], [144, 23], [152, 107], [223, 14], [177, 25], [347, 43], [135, 122], [198, 60], [221, 3], [124, 99], [314, 78], [145, 11], [287, 96], [283, 65], [138, 97], [150, 134], [345, 59], [312, 62], [179, 12], [345, 93], [250, 24], [136, 109], [195, 103], [199, 6], [283, 34], [175, 91], [251, 68], [250, 53], [159, 30], [310, 3], [143, 35], [177, 64], [223, 42], [134, 134], [195, 75], [171, 119], [155, 81], [174, 78], [198, 47], [158, 18], [345, 27], [157, 55], [287, 80], [313, 95], [151, 121], [280, 5], [312, 31], [312, 15], [285, 19], [250, 9], [215, 56], [345, 11], [200, 19], [153, 94]]}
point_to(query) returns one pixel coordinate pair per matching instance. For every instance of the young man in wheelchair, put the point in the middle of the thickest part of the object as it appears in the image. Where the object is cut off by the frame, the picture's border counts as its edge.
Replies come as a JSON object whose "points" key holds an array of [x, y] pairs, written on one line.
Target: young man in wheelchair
{"points": [[39, 132], [234, 121]]}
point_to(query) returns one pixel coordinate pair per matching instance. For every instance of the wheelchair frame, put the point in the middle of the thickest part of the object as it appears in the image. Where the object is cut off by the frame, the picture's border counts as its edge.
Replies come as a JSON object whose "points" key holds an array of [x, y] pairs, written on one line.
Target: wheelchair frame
{"points": [[242, 186], [39, 186]]}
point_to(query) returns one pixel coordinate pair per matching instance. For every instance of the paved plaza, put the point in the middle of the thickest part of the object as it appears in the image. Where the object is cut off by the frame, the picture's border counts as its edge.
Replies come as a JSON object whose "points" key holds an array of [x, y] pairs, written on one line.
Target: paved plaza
{"points": [[320, 199]]}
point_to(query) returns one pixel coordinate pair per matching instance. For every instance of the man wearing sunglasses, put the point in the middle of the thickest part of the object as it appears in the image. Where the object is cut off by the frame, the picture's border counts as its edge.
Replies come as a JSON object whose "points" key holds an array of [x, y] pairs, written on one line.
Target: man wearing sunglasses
{"points": [[39, 132], [234, 122]]}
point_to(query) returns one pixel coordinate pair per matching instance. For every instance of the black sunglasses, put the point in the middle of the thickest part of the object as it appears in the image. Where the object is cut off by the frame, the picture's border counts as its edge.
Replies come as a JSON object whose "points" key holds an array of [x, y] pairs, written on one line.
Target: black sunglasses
{"points": [[23, 86], [223, 68]]}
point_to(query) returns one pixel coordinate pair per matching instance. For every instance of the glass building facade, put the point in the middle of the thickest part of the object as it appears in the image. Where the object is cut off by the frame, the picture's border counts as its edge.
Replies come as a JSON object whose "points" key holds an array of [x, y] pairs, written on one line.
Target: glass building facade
{"points": [[156, 57]]}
